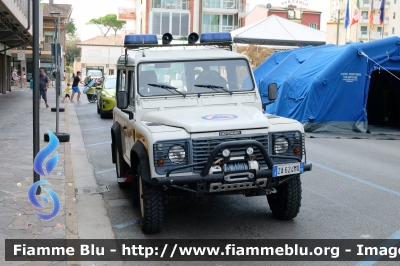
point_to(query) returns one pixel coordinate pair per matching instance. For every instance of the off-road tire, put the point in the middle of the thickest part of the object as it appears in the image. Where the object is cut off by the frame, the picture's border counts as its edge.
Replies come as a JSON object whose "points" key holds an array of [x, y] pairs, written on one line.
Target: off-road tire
{"points": [[121, 167], [285, 204], [151, 205]]}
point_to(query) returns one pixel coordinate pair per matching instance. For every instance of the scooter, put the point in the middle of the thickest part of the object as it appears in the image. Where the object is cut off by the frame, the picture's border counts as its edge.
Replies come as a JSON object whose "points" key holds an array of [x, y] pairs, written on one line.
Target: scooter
{"points": [[89, 90]]}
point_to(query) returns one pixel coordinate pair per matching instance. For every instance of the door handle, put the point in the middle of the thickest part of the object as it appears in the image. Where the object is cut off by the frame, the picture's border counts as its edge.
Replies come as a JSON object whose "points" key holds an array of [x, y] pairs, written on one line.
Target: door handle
{"points": [[124, 127]]}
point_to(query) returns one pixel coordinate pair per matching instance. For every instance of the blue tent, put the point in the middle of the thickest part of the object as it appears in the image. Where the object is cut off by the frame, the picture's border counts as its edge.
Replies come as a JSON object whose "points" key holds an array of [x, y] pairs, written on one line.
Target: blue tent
{"points": [[287, 65], [329, 90], [274, 60]]}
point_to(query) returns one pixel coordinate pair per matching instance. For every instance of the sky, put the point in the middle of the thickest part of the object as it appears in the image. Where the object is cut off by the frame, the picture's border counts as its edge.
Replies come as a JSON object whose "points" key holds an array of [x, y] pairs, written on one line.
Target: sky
{"points": [[84, 10]]}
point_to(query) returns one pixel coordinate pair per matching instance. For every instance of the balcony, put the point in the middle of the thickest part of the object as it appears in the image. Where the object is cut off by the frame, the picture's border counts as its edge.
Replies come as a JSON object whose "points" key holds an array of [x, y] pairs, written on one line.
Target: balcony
{"points": [[244, 10], [363, 35], [218, 28], [171, 4], [377, 4], [378, 35], [225, 7], [376, 21]]}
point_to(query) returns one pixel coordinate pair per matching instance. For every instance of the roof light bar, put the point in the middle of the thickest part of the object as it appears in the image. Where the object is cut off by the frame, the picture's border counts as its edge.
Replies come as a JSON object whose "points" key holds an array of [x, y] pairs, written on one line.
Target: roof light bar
{"points": [[216, 37], [140, 39]]}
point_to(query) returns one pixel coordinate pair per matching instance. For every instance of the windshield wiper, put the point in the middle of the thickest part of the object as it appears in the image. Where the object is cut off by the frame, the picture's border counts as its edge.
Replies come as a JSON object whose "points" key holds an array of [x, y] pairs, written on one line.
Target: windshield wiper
{"points": [[214, 88], [168, 88]]}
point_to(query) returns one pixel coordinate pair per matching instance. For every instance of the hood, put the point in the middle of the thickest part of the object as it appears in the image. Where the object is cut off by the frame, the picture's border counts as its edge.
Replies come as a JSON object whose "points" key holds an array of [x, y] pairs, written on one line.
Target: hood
{"points": [[109, 92], [206, 119]]}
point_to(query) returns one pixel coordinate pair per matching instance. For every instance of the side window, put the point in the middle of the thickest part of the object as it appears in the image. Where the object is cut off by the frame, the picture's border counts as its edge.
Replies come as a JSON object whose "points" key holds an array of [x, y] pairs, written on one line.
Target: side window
{"points": [[131, 87], [121, 80]]}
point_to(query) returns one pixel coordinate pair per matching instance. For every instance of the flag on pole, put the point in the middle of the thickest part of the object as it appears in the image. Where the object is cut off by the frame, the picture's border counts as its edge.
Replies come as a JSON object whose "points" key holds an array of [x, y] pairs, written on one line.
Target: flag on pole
{"points": [[371, 14], [347, 16], [356, 14], [382, 12]]}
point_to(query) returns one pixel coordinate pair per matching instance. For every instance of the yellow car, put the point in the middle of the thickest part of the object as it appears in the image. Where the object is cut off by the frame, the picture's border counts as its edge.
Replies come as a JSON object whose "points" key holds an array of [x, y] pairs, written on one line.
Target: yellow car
{"points": [[106, 96]]}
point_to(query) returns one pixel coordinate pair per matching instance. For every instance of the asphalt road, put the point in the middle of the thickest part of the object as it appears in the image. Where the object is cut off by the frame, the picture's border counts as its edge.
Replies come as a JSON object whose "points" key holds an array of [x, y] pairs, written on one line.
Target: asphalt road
{"points": [[353, 191]]}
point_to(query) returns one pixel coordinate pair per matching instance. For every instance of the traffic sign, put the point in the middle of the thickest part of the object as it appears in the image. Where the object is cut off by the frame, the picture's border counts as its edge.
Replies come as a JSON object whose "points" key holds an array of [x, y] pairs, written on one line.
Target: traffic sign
{"points": [[21, 55]]}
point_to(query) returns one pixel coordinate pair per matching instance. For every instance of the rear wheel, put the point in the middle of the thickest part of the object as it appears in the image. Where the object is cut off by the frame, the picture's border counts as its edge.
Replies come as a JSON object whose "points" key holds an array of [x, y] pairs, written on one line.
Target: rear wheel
{"points": [[122, 170], [285, 204], [151, 200]]}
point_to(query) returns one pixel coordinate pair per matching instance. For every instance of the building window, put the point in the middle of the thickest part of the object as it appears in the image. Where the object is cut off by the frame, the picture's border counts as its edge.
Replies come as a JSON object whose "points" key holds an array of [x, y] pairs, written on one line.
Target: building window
{"points": [[364, 14], [379, 29], [313, 25], [394, 15], [218, 23], [393, 30], [173, 22], [363, 30]]}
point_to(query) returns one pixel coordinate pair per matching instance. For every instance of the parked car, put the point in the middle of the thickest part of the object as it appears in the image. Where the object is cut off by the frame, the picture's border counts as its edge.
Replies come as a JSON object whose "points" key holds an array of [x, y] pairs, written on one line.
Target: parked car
{"points": [[106, 96]]}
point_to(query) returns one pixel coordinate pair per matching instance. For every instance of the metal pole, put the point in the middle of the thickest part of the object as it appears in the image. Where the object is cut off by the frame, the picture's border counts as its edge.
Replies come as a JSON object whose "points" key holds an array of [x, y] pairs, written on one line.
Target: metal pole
{"points": [[35, 53], [337, 29], [57, 76]]}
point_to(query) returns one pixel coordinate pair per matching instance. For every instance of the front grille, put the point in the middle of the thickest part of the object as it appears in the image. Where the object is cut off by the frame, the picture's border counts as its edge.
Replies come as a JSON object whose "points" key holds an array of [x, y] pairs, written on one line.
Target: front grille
{"points": [[203, 147]]}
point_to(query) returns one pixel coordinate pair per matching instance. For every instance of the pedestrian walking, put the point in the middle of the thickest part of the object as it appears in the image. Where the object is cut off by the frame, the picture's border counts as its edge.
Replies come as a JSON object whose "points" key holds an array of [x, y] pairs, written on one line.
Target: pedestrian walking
{"points": [[44, 84], [23, 76], [67, 91], [75, 88], [15, 77]]}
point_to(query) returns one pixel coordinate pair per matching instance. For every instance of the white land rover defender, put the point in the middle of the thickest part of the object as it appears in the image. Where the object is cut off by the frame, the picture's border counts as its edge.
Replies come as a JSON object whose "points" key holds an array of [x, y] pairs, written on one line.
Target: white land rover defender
{"points": [[191, 121]]}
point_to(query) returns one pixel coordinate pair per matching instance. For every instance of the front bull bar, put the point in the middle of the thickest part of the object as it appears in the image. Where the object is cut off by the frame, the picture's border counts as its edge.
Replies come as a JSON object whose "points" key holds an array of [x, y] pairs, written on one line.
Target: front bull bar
{"points": [[219, 177]]}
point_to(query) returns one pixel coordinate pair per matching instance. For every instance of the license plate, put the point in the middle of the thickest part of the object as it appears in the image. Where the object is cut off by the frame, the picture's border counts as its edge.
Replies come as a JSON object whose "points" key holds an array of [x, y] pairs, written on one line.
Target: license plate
{"points": [[287, 169]]}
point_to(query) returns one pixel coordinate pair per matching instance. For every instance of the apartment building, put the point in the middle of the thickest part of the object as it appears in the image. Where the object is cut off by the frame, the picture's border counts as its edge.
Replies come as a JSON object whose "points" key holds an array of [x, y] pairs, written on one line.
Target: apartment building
{"points": [[298, 14], [15, 31], [181, 17], [65, 10], [361, 31]]}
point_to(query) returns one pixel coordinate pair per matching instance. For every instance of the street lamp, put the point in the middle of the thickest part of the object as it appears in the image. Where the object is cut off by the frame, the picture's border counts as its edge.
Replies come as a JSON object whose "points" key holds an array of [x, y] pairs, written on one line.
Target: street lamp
{"points": [[57, 63]]}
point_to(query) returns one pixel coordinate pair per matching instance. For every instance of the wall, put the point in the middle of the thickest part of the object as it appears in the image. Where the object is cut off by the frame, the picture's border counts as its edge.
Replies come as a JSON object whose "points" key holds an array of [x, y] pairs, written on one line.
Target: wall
{"points": [[256, 15], [101, 55], [309, 18], [331, 30]]}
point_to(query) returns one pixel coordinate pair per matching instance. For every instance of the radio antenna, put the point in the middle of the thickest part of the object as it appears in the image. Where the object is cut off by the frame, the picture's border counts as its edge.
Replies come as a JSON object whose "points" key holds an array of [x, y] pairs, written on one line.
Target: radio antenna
{"points": [[143, 55]]}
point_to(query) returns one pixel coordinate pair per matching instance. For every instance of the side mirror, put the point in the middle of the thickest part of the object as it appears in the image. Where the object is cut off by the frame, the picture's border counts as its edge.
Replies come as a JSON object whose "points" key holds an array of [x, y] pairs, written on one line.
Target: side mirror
{"points": [[272, 94], [272, 91], [122, 99]]}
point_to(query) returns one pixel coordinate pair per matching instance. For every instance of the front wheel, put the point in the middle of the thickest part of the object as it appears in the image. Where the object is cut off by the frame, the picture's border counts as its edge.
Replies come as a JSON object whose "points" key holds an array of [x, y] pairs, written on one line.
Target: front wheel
{"points": [[285, 204], [151, 200]]}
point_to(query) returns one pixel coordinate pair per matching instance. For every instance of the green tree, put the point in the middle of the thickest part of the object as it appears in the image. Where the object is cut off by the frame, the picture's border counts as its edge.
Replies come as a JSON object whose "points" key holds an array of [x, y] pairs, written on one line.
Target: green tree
{"points": [[107, 23], [71, 50], [70, 28]]}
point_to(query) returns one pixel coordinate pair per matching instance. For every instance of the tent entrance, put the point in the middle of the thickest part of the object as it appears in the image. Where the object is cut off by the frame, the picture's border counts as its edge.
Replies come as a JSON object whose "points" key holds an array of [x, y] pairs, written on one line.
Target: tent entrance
{"points": [[383, 106]]}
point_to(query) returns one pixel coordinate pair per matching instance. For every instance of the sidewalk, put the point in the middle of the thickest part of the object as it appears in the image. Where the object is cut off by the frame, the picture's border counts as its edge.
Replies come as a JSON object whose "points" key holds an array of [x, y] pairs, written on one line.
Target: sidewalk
{"points": [[80, 216]]}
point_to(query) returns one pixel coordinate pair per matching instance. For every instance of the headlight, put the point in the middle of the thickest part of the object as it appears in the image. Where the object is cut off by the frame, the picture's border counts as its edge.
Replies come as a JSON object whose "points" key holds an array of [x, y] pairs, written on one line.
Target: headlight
{"points": [[177, 154], [281, 145], [105, 102]]}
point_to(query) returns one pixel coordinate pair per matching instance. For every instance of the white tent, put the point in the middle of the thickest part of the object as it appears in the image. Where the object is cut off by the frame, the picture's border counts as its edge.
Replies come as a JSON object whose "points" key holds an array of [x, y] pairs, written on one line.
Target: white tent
{"points": [[275, 30]]}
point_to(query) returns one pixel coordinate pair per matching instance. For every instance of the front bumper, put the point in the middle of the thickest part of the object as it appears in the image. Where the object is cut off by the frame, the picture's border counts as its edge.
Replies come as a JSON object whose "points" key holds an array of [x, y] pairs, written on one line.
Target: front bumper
{"points": [[234, 177]]}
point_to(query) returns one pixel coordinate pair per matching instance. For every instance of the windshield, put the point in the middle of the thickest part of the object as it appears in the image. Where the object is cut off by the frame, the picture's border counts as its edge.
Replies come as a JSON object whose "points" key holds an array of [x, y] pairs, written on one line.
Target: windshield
{"points": [[95, 73], [110, 83], [188, 77]]}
